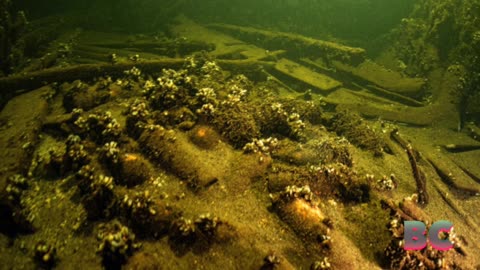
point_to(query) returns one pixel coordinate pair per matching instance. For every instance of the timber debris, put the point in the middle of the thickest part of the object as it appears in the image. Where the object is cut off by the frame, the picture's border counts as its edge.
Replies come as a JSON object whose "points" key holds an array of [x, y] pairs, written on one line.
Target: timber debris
{"points": [[418, 174]]}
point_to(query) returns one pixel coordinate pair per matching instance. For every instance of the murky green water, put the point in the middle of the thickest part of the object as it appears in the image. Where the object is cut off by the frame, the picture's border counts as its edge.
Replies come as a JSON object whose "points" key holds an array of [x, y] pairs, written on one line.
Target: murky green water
{"points": [[290, 134]]}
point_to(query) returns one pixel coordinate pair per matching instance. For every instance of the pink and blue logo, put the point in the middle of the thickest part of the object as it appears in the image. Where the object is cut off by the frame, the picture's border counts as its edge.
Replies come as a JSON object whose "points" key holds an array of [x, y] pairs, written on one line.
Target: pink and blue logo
{"points": [[417, 237]]}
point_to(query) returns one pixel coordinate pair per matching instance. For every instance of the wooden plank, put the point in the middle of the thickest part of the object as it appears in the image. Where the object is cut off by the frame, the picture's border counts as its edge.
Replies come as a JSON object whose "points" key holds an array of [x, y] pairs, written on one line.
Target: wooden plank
{"points": [[36, 79], [372, 106], [380, 76], [306, 75], [224, 44], [301, 46]]}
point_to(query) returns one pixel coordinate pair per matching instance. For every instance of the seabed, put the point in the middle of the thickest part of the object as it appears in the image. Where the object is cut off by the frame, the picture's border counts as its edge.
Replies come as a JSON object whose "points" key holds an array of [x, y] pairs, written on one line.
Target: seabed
{"points": [[228, 147]]}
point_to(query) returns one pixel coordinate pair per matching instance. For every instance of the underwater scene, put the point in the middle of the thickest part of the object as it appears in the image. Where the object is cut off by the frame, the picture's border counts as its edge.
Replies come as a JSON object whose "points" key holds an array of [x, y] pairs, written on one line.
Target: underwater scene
{"points": [[267, 134]]}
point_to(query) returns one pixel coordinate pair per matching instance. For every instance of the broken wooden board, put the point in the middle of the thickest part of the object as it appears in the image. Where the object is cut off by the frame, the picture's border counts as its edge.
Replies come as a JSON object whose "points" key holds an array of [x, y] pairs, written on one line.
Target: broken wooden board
{"points": [[225, 46], [378, 75], [348, 96], [300, 46], [394, 96], [441, 112], [36, 79], [306, 75], [372, 106], [100, 54], [161, 46], [466, 208]]}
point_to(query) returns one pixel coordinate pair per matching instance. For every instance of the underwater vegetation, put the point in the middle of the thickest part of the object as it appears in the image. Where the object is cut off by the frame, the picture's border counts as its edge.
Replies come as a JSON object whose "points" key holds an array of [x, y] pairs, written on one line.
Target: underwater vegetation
{"points": [[443, 33]]}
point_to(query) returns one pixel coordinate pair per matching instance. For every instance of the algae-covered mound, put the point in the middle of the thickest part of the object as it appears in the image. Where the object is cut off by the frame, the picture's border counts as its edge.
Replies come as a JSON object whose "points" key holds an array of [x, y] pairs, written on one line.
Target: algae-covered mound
{"points": [[149, 161], [210, 161]]}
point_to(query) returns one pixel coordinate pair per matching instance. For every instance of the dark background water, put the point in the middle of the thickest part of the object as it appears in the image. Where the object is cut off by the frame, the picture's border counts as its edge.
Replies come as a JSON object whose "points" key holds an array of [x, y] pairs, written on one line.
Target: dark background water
{"points": [[354, 20]]}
